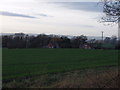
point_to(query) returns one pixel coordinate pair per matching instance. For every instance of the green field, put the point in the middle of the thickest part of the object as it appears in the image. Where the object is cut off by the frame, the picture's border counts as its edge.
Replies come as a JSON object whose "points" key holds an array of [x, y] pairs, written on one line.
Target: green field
{"points": [[20, 63]]}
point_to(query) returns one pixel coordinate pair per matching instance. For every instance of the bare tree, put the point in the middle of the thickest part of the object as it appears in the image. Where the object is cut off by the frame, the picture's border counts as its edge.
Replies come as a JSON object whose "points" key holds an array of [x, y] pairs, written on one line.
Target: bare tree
{"points": [[111, 8]]}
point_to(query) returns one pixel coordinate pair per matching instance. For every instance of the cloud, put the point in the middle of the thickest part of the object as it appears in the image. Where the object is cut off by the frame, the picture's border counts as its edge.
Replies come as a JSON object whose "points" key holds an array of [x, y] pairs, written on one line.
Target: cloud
{"points": [[44, 15], [67, 0], [83, 25], [5, 13], [87, 26], [84, 6]]}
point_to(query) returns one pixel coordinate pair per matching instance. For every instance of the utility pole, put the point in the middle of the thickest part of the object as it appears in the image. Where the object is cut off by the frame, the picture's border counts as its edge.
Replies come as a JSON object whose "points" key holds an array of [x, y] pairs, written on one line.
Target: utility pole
{"points": [[119, 28], [102, 36], [27, 41], [102, 40]]}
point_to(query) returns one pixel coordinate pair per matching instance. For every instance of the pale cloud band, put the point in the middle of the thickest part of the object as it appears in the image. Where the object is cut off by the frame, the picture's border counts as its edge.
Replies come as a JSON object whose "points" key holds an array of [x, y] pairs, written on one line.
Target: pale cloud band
{"points": [[5, 13], [84, 6], [68, 0]]}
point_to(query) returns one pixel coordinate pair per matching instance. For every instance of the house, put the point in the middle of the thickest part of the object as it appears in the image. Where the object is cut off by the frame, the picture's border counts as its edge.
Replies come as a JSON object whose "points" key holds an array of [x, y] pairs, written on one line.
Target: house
{"points": [[86, 46], [50, 45]]}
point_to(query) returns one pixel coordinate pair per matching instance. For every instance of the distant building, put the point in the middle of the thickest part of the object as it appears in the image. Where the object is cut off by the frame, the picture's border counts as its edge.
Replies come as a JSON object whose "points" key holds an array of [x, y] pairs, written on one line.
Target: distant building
{"points": [[50, 45], [86, 46], [55, 45]]}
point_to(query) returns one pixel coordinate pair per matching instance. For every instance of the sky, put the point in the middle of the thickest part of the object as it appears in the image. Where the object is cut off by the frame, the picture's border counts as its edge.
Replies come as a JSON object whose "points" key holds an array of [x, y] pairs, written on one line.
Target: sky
{"points": [[60, 17]]}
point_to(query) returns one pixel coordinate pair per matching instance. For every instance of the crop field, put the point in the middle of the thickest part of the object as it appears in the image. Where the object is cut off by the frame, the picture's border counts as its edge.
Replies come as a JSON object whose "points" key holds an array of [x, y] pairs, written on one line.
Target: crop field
{"points": [[20, 63]]}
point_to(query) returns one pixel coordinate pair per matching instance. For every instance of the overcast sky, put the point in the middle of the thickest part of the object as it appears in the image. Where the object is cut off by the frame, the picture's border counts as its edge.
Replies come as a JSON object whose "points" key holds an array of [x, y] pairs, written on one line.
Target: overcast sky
{"points": [[66, 17]]}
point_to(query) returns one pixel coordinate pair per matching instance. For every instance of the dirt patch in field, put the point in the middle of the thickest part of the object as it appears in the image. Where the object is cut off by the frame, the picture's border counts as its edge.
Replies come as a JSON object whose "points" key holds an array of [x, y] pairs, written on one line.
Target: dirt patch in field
{"points": [[90, 79]]}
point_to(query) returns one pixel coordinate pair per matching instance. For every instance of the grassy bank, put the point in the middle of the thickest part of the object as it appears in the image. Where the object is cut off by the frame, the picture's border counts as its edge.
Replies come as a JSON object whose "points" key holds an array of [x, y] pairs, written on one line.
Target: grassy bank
{"points": [[105, 77]]}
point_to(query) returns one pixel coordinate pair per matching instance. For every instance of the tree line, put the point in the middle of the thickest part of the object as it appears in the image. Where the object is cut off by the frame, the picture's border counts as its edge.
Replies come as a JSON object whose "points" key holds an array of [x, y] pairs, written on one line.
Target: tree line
{"points": [[42, 41], [21, 40]]}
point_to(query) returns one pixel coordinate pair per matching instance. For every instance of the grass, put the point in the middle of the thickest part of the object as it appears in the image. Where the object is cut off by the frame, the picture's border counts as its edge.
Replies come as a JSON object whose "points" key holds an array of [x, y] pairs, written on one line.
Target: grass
{"points": [[106, 77], [25, 63]]}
